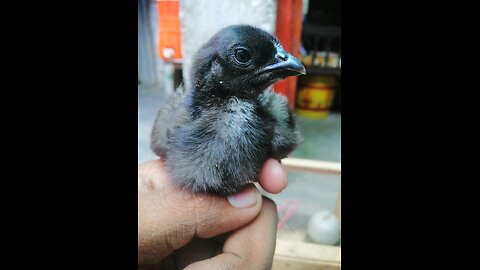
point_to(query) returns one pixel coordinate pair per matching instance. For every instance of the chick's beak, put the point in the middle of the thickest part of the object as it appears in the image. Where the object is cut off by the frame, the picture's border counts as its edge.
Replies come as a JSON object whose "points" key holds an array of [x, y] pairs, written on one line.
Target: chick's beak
{"points": [[285, 64]]}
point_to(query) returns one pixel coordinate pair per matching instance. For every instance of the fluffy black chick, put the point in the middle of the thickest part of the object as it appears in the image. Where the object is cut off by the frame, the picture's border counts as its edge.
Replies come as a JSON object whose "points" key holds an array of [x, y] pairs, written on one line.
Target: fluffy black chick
{"points": [[215, 134]]}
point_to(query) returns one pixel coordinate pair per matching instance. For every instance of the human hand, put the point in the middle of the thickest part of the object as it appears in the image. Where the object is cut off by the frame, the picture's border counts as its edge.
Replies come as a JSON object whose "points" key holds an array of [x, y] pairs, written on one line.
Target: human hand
{"points": [[178, 228]]}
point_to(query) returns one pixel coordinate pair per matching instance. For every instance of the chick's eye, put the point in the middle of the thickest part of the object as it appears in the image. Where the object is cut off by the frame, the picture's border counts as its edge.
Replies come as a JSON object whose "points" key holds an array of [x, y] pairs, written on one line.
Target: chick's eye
{"points": [[242, 55]]}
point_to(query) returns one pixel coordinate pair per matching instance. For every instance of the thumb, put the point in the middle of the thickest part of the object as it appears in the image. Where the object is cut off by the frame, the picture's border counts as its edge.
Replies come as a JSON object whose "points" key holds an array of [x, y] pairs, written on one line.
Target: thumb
{"points": [[170, 217], [217, 215]]}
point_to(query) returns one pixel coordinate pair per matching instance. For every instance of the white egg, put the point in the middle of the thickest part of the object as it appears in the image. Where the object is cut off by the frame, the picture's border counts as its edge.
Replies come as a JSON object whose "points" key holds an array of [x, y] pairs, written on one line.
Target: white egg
{"points": [[324, 228]]}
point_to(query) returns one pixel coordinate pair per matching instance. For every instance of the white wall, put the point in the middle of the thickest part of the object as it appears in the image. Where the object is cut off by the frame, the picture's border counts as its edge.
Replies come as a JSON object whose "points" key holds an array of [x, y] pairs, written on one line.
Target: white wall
{"points": [[201, 19]]}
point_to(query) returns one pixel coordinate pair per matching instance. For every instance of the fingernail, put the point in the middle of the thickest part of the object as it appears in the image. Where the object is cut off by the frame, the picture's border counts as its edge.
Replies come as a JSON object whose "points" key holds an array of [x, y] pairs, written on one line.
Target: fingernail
{"points": [[244, 199]]}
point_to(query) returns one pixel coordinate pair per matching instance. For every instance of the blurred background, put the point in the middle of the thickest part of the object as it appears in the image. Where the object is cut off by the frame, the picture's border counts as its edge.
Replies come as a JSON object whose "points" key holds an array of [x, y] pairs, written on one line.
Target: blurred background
{"points": [[170, 32]]}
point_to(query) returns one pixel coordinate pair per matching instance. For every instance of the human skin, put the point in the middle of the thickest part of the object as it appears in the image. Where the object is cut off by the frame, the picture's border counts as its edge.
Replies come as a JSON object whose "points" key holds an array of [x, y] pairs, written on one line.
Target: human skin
{"points": [[178, 228]]}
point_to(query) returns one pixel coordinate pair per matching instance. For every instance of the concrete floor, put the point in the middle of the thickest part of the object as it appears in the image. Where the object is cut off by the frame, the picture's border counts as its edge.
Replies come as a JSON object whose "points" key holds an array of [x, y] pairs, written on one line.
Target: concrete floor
{"points": [[312, 192]]}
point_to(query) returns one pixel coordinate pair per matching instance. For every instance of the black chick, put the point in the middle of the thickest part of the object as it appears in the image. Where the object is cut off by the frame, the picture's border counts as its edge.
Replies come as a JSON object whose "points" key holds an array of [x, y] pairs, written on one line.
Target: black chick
{"points": [[216, 134]]}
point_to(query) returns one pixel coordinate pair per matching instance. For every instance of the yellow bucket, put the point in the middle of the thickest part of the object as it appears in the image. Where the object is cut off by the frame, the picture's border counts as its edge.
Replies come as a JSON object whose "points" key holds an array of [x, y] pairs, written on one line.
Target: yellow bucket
{"points": [[315, 96]]}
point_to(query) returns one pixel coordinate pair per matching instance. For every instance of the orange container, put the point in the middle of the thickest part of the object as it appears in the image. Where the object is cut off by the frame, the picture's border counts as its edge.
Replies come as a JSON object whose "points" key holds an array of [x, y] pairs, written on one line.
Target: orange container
{"points": [[170, 37], [315, 96]]}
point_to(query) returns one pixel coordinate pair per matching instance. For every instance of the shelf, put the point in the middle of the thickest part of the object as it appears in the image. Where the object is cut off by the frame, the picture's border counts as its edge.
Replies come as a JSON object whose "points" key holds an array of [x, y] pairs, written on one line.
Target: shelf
{"points": [[321, 31], [314, 70]]}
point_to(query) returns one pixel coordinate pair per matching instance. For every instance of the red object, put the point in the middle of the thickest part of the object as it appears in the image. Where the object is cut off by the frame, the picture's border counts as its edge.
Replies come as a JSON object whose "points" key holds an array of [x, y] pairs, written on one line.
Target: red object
{"points": [[287, 210], [289, 31], [170, 38]]}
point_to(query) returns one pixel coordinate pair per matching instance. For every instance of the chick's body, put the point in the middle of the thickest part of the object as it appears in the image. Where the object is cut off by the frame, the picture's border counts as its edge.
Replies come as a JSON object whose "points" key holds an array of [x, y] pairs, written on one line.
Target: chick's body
{"points": [[216, 134]]}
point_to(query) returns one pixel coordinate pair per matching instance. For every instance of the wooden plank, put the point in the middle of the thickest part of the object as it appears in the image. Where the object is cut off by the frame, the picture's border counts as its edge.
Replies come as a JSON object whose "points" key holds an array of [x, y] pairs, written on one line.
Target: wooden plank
{"points": [[290, 255], [309, 165]]}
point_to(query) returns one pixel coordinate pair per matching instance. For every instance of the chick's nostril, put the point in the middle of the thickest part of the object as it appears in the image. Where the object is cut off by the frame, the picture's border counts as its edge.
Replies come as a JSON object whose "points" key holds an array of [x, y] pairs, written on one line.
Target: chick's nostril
{"points": [[283, 56]]}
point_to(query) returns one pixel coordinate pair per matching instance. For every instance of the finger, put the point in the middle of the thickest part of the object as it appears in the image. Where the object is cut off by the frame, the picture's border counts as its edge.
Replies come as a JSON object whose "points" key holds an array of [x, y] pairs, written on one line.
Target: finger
{"points": [[273, 177], [196, 250], [251, 247], [170, 217]]}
